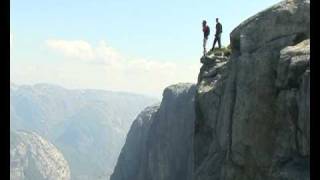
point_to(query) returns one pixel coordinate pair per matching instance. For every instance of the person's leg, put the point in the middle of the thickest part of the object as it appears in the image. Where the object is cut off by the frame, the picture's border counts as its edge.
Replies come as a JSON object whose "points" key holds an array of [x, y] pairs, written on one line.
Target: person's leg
{"points": [[204, 45], [219, 41], [214, 42]]}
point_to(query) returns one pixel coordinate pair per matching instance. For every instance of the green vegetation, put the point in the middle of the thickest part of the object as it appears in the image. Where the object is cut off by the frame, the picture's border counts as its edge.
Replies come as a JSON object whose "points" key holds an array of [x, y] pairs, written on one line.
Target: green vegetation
{"points": [[224, 51]]}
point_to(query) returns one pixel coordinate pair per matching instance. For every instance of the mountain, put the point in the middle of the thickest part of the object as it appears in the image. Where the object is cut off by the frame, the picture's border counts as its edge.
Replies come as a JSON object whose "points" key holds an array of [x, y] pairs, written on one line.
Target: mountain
{"points": [[34, 158], [158, 145], [87, 126], [253, 113], [248, 118]]}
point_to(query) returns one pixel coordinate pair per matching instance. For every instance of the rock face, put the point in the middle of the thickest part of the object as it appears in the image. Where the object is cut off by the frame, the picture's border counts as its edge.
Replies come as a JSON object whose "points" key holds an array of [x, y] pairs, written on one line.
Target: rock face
{"points": [[159, 143], [34, 158], [252, 111], [134, 151]]}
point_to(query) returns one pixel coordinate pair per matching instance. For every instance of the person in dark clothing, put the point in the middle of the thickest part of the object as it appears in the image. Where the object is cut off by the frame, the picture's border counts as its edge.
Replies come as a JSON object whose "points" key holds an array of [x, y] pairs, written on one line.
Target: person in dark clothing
{"points": [[218, 34], [206, 32]]}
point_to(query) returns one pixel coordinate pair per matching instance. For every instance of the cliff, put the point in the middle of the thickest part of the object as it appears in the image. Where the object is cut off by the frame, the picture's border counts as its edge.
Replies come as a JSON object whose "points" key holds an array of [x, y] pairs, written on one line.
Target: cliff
{"points": [[252, 110], [253, 114], [159, 143]]}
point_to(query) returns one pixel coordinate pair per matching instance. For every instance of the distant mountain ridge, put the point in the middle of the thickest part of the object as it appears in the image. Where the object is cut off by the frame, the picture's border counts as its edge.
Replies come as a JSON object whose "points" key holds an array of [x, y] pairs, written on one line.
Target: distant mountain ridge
{"points": [[79, 122]]}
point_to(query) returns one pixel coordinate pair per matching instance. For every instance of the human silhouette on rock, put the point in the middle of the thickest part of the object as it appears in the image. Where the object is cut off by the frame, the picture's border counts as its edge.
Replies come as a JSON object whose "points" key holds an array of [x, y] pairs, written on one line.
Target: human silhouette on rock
{"points": [[206, 33], [218, 34]]}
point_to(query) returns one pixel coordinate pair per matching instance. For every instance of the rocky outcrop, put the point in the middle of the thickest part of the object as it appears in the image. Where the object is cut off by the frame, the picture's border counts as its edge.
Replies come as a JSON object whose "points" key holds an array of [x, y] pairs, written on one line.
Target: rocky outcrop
{"points": [[252, 110], [133, 153], [159, 143], [34, 158]]}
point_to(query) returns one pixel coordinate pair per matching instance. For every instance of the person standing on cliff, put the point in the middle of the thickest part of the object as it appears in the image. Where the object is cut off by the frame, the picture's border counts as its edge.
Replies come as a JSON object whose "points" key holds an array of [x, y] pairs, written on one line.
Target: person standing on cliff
{"points": [[206, 32], [218, 34]]}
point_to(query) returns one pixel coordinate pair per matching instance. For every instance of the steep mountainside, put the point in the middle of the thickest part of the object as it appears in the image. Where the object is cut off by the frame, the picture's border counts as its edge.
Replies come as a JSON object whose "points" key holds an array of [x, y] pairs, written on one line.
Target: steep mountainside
{"points": [[133, 154], [34, 158], [87, 126], [159, 143], [253, 111]]}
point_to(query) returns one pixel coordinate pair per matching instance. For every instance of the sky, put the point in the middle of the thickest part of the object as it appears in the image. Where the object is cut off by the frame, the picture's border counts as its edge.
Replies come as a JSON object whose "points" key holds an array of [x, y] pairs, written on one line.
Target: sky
{"points": [[139, 46]]}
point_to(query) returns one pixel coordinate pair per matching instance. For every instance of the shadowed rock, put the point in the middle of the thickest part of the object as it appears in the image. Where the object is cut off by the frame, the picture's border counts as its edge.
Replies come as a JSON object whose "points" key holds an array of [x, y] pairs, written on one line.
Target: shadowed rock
{"points": [[159, 144], [252, 112]]}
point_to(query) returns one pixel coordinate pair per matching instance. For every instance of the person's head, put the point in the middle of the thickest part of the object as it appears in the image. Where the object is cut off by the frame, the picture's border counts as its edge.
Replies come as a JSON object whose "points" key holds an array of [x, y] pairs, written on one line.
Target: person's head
{"points": [[217, 20], [204, 23]]}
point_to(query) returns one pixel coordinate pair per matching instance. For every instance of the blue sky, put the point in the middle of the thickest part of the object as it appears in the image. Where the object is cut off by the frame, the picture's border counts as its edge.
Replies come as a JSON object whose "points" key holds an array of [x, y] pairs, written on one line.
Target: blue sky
{"points": [[166, 31]]}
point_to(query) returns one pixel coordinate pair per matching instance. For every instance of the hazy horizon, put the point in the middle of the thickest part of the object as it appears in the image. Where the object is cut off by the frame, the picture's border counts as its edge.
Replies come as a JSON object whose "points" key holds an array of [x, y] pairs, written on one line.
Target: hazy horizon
{"points": [[93, 89]]}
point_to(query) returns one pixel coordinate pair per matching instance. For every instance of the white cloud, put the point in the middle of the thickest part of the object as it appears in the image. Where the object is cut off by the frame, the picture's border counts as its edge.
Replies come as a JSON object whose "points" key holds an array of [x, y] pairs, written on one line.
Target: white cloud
{"points": [[82, 50], [103, 67], [76, 49]]}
